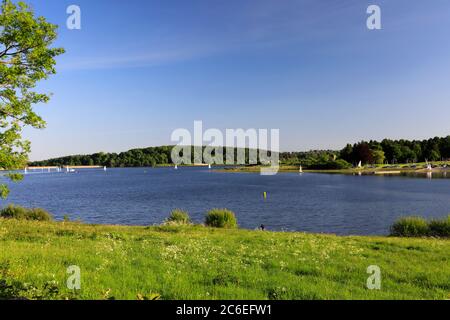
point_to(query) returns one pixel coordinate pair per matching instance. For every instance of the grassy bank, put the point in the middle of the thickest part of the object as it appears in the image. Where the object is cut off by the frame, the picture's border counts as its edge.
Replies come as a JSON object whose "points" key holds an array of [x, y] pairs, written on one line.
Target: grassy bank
{"points": [[195, 262]]}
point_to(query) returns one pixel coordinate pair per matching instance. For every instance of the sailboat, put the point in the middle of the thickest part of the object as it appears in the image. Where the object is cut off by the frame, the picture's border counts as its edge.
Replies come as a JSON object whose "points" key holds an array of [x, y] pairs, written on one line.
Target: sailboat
{"points": [[360, 164], [429, 167], [25, 171], [209, 166], [176, 167], [300, 170], [104, 168]]}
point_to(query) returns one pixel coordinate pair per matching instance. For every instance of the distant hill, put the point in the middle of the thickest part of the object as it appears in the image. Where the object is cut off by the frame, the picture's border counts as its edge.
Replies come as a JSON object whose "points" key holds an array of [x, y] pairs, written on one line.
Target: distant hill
{"points": [[153, 156], [145, 157], [133, 158]]}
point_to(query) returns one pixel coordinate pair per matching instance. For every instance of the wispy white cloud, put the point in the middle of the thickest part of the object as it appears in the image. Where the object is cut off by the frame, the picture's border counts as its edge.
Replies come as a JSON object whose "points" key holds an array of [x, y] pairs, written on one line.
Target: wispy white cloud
{"points": [[225, 30], [71, 63]]}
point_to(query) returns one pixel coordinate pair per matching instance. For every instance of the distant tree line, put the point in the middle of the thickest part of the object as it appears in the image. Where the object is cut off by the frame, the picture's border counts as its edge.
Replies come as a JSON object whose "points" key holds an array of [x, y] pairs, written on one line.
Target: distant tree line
{"points": [[397, 151], [372, 152], [132, 158], [145, 157]]}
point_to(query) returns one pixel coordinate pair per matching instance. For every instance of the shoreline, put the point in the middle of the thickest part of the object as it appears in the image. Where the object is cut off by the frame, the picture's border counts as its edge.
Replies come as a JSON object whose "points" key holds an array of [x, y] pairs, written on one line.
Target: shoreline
{"points": [[354, 171], [202, 225]]}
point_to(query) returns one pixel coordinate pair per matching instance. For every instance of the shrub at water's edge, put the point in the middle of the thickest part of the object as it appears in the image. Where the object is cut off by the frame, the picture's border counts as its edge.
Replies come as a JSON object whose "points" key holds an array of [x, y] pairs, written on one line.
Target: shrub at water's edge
{"points": [[419, 227], [221, 218], [21, 213], [410, 227], [179, 216], [440, 228]]}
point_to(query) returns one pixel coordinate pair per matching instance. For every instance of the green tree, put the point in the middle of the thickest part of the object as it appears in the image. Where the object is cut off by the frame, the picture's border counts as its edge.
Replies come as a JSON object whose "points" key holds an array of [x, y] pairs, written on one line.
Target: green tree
{"points": [[445, 147], [417, 148], [432, 152], [434, 155], [26, 57], [391, 150], [378, 156], [347, 153]]}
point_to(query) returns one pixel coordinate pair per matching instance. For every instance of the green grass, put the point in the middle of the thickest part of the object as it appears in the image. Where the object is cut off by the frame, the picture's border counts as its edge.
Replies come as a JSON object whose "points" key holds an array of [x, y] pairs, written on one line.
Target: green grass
{"points": [[195, 262]]}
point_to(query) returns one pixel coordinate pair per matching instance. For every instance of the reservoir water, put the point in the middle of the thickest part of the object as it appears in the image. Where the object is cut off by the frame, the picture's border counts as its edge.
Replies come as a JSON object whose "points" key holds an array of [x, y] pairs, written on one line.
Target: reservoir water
{"points": [[323, 203]]}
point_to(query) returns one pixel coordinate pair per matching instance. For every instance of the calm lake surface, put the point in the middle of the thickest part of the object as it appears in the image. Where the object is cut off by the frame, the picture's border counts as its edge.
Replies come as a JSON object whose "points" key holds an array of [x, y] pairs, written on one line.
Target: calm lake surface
{"points": [[340, 204]]}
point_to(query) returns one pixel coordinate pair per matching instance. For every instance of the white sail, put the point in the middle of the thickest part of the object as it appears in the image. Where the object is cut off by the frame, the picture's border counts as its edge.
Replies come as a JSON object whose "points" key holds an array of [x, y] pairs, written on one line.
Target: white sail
{"points": [[360, 164], [176, 167], [300, 170]]}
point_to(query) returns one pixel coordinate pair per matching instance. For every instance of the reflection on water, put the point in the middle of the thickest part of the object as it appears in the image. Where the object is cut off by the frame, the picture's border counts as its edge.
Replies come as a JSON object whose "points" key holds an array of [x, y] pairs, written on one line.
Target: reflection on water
{"points": [[428, 175], [417, 174]]}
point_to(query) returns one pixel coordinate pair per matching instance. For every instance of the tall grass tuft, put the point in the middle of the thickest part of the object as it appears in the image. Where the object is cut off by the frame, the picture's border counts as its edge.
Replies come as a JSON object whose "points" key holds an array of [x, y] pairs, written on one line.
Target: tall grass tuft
{"points": [[221, 218], [419, 227], [179, 216], [21, 213], [440, 228]]}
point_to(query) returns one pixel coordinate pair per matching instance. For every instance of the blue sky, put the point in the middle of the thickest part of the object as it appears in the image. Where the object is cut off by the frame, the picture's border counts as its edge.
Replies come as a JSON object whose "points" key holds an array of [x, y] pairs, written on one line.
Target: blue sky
{"points": [[139, 69]]}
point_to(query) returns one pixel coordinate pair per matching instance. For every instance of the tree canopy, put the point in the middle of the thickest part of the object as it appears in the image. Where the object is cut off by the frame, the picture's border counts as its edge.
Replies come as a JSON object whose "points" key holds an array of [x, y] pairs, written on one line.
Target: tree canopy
{"points": [[397, 151], [26, 57]]}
